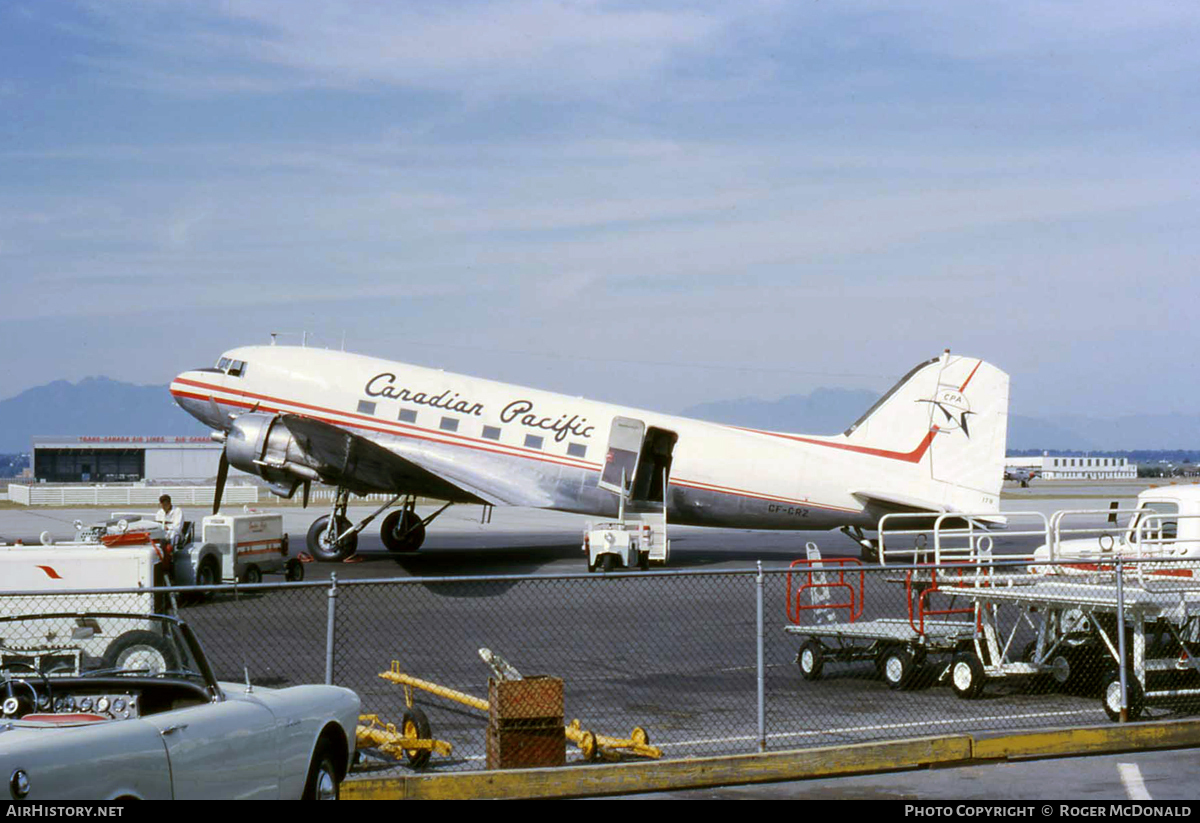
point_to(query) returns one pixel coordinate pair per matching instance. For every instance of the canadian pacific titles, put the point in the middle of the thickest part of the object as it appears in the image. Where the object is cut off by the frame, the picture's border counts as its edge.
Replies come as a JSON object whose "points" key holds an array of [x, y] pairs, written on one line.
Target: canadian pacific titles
{"points": [[522, 411]]}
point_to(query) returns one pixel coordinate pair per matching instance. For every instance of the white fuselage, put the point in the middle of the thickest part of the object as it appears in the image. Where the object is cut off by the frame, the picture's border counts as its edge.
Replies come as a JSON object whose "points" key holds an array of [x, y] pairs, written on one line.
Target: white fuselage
{"points": [[520, 446]]}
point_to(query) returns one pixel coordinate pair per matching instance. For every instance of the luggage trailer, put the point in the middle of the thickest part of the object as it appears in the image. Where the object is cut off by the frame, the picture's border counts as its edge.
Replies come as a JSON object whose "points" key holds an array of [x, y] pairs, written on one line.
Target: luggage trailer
{"points": [[1076, 622], [899, 647], [1070, 599]]}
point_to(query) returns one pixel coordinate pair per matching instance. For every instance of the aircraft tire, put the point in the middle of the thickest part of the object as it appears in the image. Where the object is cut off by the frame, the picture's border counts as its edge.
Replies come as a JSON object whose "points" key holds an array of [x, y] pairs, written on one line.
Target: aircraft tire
{"points": [[397, 523], [321, 550]]}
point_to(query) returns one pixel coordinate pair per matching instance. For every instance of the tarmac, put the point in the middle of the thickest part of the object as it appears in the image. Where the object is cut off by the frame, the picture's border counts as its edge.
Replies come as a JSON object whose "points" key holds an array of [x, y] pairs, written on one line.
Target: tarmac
{"points": [[521, 541]]}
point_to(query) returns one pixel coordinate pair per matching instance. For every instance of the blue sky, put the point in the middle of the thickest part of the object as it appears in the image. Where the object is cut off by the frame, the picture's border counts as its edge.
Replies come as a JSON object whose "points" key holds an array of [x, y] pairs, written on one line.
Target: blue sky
{"points": [[658, 204]]}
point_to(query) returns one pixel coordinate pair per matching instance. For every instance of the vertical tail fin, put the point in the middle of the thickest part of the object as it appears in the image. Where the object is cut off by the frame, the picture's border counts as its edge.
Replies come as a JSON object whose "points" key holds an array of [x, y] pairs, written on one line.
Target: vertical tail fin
{"points": [[949, 416]]}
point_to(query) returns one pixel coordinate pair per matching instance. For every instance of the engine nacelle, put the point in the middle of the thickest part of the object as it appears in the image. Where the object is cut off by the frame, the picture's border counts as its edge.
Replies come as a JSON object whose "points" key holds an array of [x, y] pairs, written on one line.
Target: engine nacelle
{"points": [[262, 444]]}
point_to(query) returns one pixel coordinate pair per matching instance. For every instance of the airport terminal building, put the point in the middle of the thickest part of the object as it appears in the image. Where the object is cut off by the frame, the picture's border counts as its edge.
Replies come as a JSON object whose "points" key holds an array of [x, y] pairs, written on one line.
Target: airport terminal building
{"points": [[123, 459], [1077, 468]]}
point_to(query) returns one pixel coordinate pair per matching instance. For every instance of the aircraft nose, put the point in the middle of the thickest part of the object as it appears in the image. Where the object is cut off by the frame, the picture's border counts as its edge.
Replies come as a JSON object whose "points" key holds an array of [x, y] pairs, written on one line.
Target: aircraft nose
{"points": [[191, 390]]}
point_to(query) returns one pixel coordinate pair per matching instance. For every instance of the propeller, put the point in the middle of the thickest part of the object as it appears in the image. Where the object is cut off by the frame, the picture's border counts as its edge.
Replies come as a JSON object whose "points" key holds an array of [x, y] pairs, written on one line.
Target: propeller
{"points": [[222, 475], [307, 487]]}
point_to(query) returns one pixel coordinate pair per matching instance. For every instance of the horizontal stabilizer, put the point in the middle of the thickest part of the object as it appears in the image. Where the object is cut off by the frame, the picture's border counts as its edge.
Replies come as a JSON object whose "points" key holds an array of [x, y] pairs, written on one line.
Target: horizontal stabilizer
{"points": [[892, 502]]}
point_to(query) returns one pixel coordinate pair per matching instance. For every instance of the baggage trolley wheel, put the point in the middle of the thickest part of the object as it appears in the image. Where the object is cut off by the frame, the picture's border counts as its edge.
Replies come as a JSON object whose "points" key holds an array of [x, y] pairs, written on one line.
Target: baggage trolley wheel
{"points": [[810, 660], [967, 675], [898, 666], [1110, 696]]}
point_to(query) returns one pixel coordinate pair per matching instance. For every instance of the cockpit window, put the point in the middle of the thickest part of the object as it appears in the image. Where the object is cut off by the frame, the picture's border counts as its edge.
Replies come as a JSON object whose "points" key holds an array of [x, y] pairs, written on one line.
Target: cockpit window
{"points": [[233, 368]]}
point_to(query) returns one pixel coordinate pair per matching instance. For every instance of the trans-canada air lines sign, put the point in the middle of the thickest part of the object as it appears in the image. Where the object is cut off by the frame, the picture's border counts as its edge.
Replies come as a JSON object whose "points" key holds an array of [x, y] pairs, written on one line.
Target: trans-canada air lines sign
{"points": [[522, 412]]}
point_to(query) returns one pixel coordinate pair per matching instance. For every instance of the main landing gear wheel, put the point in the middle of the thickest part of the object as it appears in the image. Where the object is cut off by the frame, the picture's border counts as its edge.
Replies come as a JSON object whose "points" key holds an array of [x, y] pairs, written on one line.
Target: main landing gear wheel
{"points": [[967, 676], [402, 531], [810, 660], [320, 540]]}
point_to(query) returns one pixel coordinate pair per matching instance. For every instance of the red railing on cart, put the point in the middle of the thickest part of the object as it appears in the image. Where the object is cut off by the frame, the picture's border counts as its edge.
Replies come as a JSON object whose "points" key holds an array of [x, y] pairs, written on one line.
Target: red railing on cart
{"points": [[923, 610], [838, 566]]}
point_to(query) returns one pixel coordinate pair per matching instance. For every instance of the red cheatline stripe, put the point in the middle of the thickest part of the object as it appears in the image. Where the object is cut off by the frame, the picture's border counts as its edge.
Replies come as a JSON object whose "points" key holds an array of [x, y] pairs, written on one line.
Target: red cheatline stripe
{"points": [[969, 376], [758, 496], [51, 573], [417, 433], [399, 430], [913, 456]]}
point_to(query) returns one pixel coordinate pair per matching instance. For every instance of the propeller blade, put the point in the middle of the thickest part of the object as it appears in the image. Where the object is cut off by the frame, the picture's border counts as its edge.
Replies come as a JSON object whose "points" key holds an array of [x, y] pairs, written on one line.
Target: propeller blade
{"points": [[222, 474], [307, 486]]}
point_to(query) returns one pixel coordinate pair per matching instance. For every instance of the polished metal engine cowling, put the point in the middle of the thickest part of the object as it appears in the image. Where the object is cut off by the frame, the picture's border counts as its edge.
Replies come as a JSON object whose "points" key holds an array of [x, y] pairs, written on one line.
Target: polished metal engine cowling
{"points": [[262, 444]]}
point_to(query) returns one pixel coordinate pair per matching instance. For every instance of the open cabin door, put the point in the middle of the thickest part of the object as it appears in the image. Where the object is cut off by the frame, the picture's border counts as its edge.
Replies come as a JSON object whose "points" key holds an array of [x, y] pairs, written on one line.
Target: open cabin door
{"points": [[621, 460], [642, 456]]}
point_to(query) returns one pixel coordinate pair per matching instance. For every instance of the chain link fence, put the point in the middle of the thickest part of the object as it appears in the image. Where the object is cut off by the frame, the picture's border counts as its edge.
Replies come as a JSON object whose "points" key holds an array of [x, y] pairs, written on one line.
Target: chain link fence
{"points": [[708, 663]]}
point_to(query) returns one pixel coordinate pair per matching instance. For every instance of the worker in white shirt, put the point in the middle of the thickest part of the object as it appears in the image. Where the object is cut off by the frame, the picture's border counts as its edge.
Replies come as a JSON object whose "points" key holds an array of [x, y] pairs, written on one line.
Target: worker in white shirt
{"points": [[170, 518]]}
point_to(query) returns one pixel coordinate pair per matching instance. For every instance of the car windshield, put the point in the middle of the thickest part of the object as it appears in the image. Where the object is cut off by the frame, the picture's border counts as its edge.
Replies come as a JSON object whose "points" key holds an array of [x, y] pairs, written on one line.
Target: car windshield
{"points": [[94, 644]]}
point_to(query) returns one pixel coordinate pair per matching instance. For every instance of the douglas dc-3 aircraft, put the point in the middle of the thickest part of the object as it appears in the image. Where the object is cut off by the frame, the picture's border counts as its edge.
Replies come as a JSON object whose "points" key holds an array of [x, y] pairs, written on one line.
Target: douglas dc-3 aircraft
{"points": [[293, 415]]}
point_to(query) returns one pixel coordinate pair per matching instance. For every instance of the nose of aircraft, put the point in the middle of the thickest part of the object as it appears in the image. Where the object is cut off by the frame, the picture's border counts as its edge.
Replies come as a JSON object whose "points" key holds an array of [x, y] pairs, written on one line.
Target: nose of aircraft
{"points": [[193, 391]]}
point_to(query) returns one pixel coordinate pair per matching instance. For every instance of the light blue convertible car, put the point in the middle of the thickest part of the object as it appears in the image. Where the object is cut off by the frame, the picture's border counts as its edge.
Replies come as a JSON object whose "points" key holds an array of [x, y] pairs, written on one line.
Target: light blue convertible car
{"points": [[104, 706]]}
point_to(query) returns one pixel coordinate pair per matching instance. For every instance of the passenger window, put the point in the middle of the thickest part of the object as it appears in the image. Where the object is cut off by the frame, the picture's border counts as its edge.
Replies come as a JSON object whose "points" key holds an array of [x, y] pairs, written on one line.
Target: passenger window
{"points": [[408, 416], [366, 407], [577, 450], [532, 441], [449, 424], [491, 432]]}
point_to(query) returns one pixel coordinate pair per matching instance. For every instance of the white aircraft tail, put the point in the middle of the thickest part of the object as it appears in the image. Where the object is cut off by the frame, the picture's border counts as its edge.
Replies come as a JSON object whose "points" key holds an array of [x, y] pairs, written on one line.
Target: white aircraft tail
{"points": [[948, 417]]}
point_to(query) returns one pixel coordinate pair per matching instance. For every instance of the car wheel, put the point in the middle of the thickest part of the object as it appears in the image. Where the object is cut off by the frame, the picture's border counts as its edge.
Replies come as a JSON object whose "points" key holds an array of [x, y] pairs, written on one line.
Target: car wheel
{"points": [[402, 531], [810, 660], [416, 725], [140, 650], [318, 540], [253, 574], [322, 782], [608, 562]]}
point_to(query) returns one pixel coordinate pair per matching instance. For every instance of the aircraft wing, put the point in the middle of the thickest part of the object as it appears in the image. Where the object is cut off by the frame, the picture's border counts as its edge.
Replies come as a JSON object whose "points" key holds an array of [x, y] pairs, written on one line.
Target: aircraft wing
{"points": [[363, 465]]}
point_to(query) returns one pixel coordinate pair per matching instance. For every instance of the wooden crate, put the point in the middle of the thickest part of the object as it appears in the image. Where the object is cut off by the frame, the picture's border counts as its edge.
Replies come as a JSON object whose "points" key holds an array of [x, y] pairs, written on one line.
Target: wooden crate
{"points": [[525, 723]]}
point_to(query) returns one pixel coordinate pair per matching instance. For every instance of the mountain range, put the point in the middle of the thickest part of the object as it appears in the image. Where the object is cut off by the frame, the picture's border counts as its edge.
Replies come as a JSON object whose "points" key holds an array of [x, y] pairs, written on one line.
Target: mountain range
{"points": [[93, 406], [102, 406]]}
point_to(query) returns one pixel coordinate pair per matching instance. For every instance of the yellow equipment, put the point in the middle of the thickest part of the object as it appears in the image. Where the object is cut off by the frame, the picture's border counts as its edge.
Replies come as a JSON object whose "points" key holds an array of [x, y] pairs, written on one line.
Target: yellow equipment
{"points": [[591, 745], [412, 740]]}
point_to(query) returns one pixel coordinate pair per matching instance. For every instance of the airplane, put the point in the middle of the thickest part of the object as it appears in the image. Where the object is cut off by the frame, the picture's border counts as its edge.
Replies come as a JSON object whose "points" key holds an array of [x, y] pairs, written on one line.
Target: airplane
{"points": [[295, 415], [1021, 474]]}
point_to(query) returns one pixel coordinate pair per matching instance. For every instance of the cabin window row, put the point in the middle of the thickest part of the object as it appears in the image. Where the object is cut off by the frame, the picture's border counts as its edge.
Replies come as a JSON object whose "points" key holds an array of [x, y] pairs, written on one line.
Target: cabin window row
{"points": [[450, 424]]}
